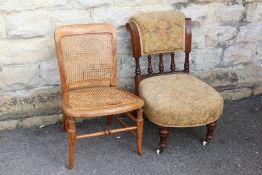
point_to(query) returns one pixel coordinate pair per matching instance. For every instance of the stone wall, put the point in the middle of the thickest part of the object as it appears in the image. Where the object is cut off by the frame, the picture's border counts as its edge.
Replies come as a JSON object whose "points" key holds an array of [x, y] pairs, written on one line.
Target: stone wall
{"points": [[227, 49]]}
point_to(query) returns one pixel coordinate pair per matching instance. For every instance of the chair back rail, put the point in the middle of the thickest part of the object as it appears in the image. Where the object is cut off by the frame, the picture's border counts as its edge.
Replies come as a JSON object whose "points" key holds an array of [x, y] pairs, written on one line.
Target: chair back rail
{"points": [[137, 54], [86, 55]]}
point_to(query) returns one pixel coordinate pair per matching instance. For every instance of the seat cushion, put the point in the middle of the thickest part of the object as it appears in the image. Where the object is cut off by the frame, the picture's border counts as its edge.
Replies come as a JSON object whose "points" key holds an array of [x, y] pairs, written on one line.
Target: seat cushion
{"points": [[99, 101], [180, 100]]}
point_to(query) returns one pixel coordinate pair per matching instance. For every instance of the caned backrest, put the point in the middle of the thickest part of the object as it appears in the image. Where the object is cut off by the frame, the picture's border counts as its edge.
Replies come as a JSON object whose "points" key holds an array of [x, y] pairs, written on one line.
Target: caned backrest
{"points": [[86, 55]]}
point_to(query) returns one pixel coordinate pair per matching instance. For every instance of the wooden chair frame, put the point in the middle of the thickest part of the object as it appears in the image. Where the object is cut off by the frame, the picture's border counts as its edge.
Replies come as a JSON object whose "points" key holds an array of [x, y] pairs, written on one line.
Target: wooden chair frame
{"points": [[69, 119], [137, 54]]}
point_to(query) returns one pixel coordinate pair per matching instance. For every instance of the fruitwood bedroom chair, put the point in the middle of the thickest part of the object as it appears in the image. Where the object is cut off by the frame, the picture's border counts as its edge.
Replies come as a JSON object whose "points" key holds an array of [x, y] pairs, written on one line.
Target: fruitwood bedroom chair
{"points": [[87, 63], [172, 98]]}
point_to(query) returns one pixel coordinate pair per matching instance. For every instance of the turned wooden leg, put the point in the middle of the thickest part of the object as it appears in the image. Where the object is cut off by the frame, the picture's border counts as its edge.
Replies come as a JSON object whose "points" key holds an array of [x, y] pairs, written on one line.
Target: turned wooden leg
{"points": [[109, 120], [65, 122], [71, 141], [210, 131], [164, 132], [139, 134]]}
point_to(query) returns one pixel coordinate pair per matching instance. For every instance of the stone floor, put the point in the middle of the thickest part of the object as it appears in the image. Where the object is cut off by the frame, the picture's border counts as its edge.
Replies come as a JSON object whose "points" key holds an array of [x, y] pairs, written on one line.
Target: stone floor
{"points": [[236, 149]]}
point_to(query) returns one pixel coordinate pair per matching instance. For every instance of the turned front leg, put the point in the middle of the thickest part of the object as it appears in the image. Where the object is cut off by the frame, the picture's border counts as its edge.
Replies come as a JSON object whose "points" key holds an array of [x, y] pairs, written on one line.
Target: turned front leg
{"points": [[71, 141], [210, 131], [65, 122], [164, 132], [139, 134]]}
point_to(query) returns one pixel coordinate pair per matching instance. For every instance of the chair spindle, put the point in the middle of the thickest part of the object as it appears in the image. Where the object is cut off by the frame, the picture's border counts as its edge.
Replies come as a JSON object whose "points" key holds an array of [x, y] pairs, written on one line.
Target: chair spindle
{"points": [[150, 68], [186, 65], [138, 70], [161, 64], [138, 75], [173, 64]]}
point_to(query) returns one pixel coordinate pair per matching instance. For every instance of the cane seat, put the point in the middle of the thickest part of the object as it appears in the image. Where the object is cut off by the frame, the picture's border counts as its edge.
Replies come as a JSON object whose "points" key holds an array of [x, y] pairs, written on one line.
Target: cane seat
{"points": [[99, 101]]}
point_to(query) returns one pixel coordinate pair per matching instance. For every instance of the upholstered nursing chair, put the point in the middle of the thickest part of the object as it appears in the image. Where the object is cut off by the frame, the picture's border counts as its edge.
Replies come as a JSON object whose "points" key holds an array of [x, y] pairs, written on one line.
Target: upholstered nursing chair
{"points": [[172, 98], [87, 63]]}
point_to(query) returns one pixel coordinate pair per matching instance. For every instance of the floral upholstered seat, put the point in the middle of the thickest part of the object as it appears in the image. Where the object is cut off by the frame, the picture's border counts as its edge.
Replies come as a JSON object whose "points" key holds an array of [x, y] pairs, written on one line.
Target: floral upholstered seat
{"points": [[180, 100]]}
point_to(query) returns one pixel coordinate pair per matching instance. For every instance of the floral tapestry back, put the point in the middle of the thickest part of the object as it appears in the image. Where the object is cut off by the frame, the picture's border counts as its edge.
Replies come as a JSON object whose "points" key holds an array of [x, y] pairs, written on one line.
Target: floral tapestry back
{"points": [[161, 32]]}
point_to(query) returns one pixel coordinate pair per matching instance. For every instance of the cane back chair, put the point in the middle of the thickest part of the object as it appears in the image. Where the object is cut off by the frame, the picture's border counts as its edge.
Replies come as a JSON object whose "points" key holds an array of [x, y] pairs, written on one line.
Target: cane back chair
{"points": [[172, 98], [87, 63]]}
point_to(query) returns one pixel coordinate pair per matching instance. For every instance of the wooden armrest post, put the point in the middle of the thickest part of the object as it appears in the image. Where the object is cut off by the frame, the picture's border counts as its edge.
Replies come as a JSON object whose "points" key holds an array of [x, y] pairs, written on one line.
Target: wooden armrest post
{"points": [[188, 43], [136, 51], [138, 75]]}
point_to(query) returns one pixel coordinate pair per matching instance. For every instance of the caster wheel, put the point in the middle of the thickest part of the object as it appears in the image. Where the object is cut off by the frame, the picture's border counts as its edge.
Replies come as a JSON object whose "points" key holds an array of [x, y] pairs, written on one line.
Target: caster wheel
{"points": [[159, 151], [204, 143]]}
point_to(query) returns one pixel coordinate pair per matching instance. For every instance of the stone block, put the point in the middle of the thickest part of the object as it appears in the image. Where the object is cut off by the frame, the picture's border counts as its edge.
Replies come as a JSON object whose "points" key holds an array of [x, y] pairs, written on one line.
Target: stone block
{"points": [[36, 4], [236, 94], [153, 7], [257, 54], [207, 58], [257, 90], [87, 4], [223, 79], [237, 56], [40, 120], [68, 17], [25, 51], [123, 42], [229, 13], [242, 93], [2, 27], [126, 83], [252, 32], [200, 14], [28, 24], [199, 40], [28, 103], [118, 16], [126, 66], [216, 35], [254, 12], [226, 95], [49, 73], [9, 6], [227, 2], [246, 1], [8, 124], [19, 77], [156, 2], [122, 3]]}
